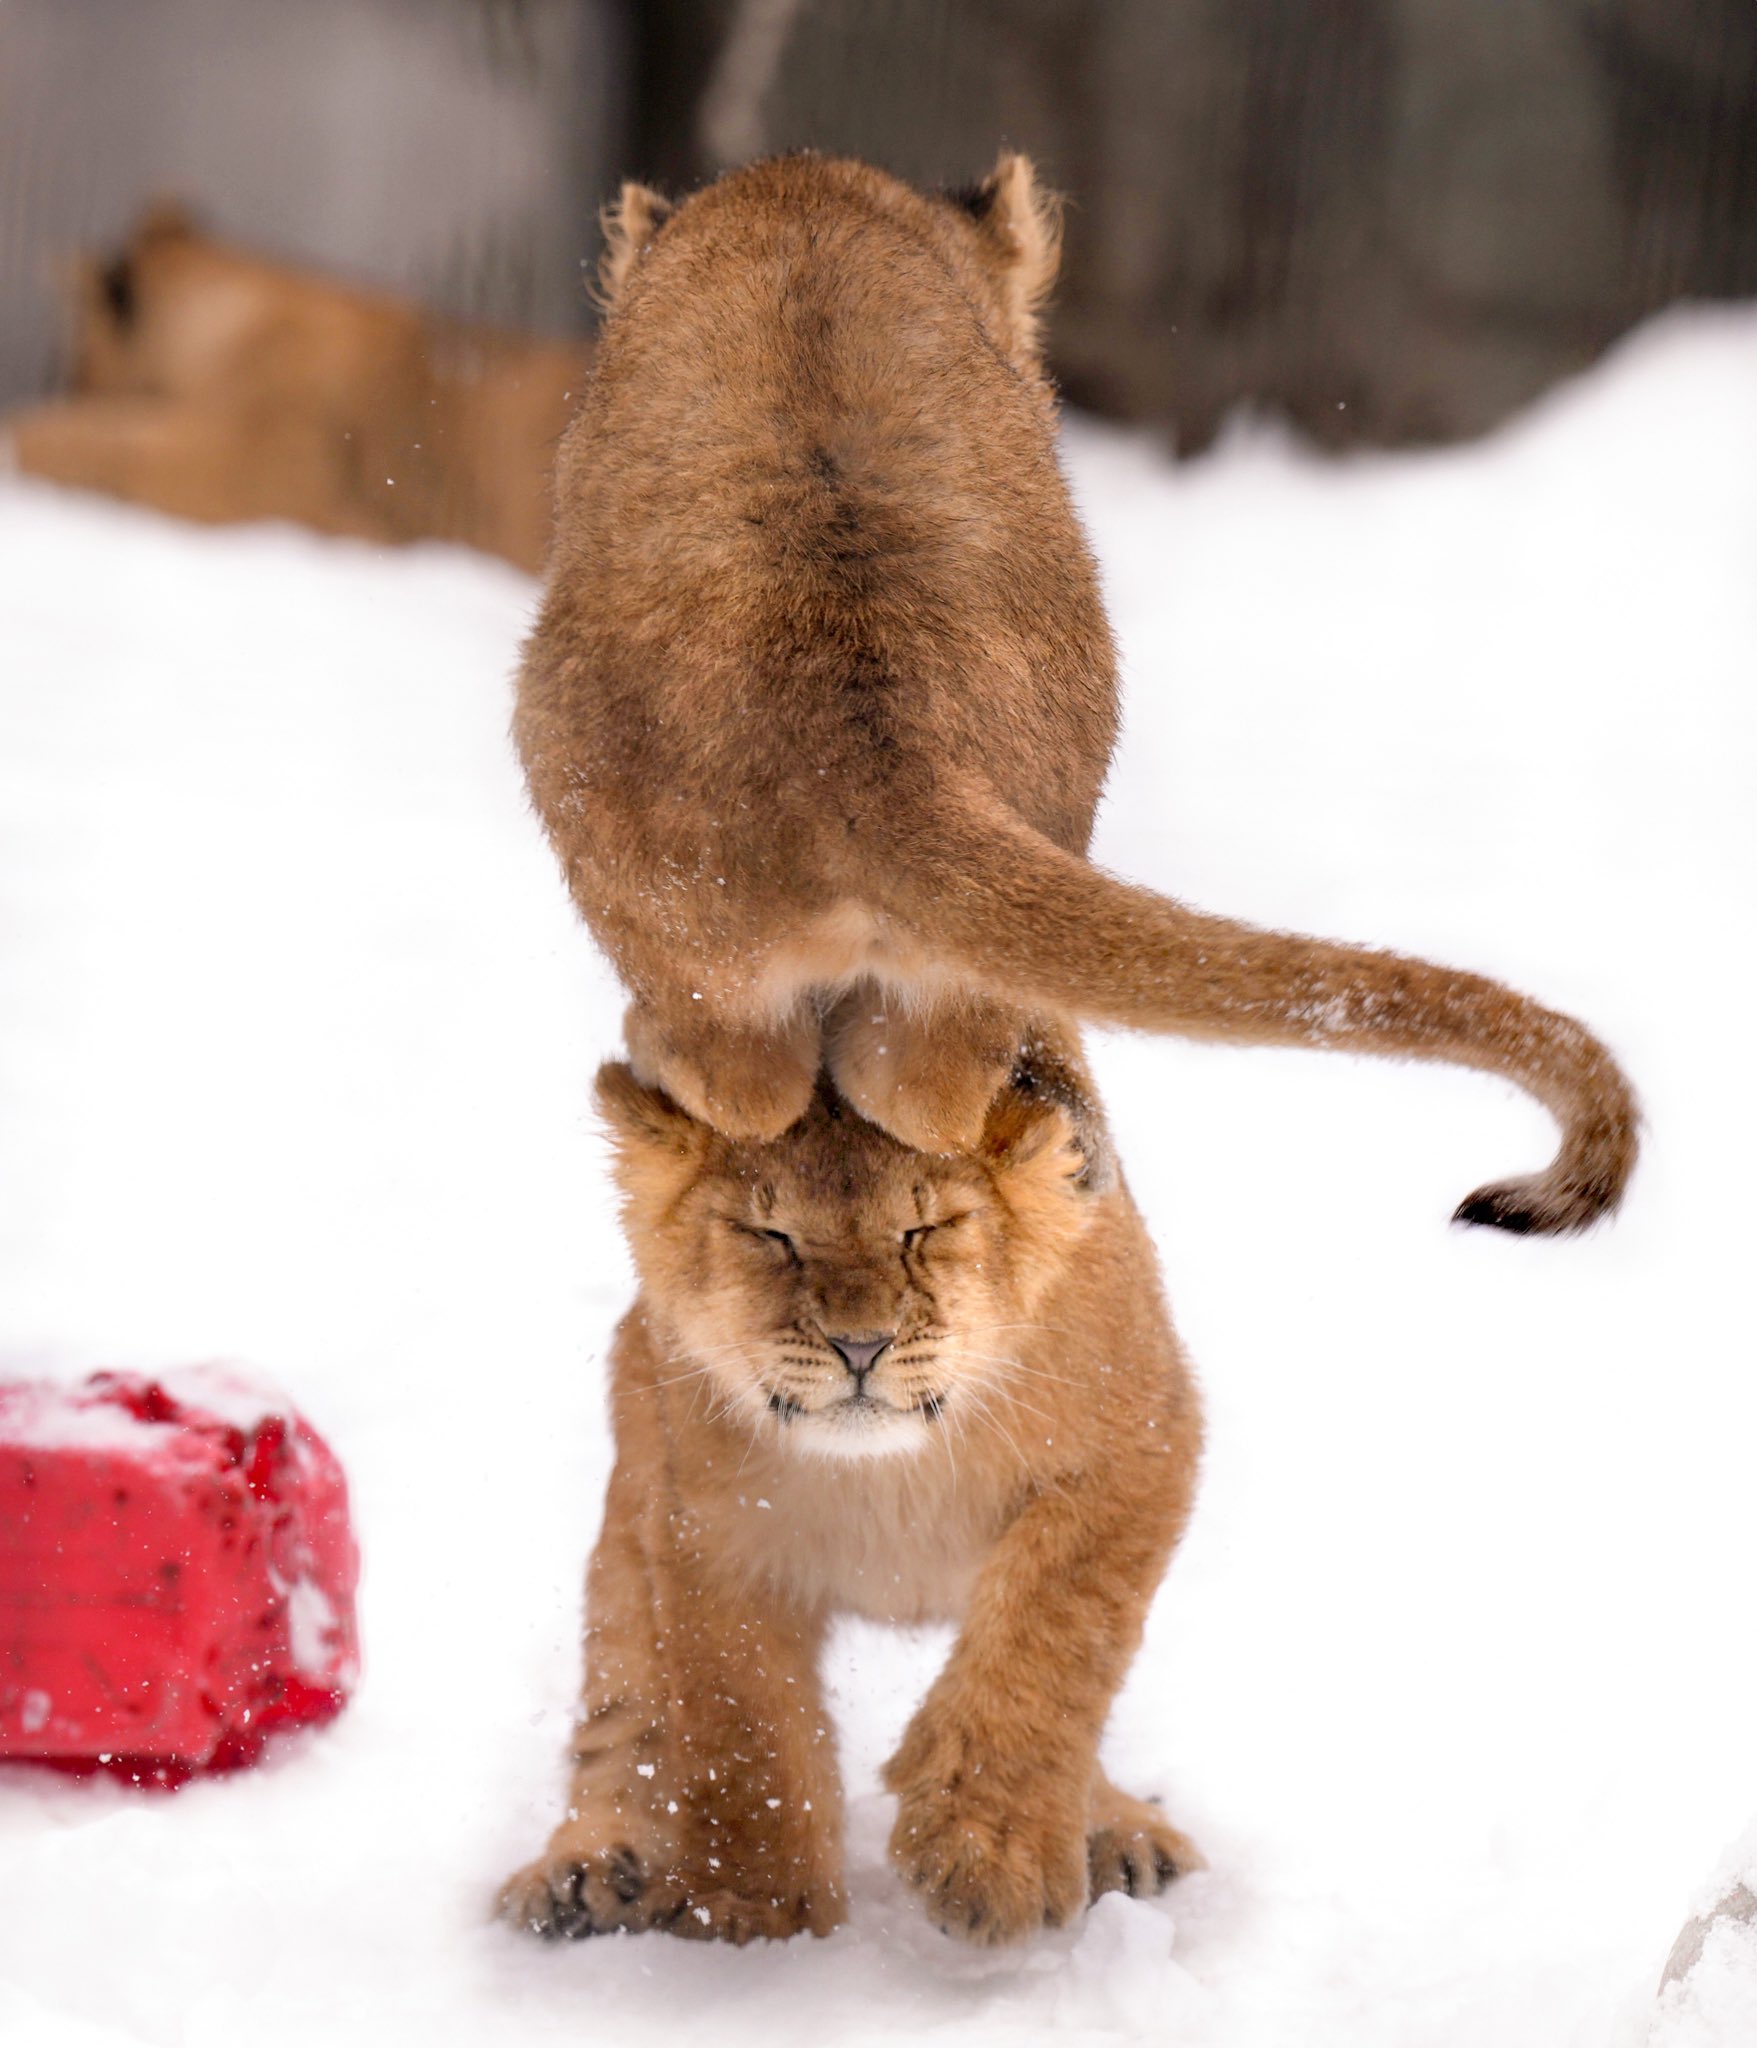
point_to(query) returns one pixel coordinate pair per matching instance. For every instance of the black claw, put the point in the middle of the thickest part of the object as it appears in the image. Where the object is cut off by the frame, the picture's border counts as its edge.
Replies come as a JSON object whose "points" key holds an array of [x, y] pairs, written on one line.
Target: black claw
{"points": [[570, 1918], [624, 1874]]}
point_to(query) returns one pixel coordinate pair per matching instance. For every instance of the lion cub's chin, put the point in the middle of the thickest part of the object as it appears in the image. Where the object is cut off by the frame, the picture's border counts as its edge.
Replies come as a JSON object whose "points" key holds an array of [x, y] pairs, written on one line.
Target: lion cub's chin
{"points": [[857, 1430]]}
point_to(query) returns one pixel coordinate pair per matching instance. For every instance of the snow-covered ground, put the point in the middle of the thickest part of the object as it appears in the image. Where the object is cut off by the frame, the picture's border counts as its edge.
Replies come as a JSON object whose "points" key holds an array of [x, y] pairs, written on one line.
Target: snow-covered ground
{"points": [[1455, 1677]]}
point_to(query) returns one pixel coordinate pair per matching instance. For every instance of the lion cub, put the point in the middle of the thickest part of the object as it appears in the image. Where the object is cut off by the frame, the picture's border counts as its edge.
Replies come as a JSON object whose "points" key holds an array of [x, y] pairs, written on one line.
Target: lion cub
{"points": [[863, 1379], [218, 385], [822, 696]]}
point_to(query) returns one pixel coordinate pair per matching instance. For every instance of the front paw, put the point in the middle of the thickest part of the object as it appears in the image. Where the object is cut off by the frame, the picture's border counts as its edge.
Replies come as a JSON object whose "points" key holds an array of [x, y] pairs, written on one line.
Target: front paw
{"points": [[1140, 1858], [721, 1915], [573, 1890], [576, 1889], [987, 1875], [996, 1847]]}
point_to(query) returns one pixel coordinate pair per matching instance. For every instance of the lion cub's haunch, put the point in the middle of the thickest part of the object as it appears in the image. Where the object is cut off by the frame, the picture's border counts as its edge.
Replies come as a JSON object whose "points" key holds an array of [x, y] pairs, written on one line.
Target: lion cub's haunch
{"points": [[863, 1379], [822, 694]]}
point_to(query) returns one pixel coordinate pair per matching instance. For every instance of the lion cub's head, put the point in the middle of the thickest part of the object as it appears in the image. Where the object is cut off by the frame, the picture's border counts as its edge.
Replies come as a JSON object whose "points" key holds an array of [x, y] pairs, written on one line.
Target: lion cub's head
{"points": [[833, 1285]]}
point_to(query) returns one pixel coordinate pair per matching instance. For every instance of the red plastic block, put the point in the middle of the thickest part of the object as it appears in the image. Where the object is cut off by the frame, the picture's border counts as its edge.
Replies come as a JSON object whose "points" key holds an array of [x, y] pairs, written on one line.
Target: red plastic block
{"points": [[177, 1573]]}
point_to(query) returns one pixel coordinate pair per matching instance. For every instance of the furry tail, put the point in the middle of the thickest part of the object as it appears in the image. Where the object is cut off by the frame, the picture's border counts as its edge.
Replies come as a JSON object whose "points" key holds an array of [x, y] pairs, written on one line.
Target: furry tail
{"points": [[1023, 914]]}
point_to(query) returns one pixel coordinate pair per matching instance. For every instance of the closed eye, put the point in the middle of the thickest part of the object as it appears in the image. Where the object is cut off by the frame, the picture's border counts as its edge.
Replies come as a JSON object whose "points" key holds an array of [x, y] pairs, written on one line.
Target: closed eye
{"points": [[914, 1239], [779, 1237]]}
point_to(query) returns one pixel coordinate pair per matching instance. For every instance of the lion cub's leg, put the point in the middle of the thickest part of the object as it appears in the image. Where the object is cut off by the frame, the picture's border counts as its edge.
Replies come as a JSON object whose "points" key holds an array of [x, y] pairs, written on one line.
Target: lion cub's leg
{"points": [[610, 1862], [704, 1796], [747, 1081], [994, 1777], [751, 1761], [178, 456], [923, 1067], [1131, 1846]]}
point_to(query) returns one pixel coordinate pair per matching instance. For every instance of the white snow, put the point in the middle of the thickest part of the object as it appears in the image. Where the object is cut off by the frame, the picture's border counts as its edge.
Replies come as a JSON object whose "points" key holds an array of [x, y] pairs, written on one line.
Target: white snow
{"points": [[37, 1416], [1454, 1678], [46, 1416], [311, 1629], [1710, 1992], [227, 1392]]}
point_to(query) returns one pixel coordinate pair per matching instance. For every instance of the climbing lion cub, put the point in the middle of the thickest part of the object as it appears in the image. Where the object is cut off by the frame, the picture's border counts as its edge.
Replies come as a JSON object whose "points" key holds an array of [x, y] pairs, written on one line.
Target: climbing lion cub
{"points": [[914, 1387], [822, 696]]}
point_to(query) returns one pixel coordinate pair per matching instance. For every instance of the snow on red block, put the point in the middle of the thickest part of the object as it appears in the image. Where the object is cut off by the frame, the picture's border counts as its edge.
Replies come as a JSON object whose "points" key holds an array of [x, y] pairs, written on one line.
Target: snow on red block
{"points": [[177, 1574]]}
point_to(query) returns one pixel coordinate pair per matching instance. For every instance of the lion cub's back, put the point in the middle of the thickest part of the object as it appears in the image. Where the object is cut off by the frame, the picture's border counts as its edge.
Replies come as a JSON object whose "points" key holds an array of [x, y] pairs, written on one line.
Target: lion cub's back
{"points": [[811, 519]]}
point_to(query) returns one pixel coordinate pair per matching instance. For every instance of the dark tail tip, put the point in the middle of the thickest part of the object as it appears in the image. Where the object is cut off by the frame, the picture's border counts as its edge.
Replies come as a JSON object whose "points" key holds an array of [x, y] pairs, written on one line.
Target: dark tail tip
{"points": [[1537, 1207], [1494, 1208]]}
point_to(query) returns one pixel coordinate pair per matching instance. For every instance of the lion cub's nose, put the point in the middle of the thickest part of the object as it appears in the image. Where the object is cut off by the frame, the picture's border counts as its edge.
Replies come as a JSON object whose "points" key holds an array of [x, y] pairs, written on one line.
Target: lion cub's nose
{"points": [[859, 1354]]}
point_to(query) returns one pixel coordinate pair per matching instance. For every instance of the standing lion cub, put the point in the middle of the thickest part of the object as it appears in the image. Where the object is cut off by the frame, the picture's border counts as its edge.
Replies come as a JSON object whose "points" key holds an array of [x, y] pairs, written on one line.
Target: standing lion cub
{"points": [[822, 696], [861, 1379]]}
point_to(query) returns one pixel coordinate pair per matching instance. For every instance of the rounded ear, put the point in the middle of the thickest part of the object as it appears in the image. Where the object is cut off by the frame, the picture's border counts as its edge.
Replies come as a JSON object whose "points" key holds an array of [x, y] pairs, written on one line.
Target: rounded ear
{"points": [[1050, 1074], [630, 222], [643, 1121], [103, 288], [166, 219], [1019, 227], [1034, 1143]]}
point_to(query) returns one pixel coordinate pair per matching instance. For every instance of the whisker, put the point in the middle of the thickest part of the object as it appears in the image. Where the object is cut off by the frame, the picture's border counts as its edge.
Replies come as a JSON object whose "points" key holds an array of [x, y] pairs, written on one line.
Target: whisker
{"points": [[1012, 1393], [994, 1422], [1030, 1407], [677, 1379], [713, 1350], [1036, 1372], [992, 1329]]}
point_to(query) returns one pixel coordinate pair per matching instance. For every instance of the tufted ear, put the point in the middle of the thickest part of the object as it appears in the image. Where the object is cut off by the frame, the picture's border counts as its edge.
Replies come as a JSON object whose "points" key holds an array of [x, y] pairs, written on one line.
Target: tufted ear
{"points": [[1034, 1144], [650, 1132], [1019, 229], [630, 222], [166, 219]]}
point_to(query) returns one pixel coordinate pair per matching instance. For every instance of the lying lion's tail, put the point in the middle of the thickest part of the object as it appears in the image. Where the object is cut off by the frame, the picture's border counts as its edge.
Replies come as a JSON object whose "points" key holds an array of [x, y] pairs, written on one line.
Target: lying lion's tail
{"points": [[1023, 914]]}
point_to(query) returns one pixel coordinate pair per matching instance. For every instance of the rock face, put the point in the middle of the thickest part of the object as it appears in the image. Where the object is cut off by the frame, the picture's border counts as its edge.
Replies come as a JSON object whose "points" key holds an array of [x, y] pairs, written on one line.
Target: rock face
{"points": [[1736, 1908], [1708, 1994], [1391, 220]]}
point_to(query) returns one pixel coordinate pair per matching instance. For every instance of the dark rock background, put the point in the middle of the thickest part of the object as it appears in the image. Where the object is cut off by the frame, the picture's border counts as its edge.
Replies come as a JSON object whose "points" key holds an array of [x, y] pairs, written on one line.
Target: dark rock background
{"points": [[1392, 221]]}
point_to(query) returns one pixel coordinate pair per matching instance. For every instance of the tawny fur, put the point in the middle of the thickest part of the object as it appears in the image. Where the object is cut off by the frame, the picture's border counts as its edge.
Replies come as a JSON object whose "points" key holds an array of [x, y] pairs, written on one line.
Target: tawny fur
{"points": [[822, 694], [1020, 1461], [217, 385]]}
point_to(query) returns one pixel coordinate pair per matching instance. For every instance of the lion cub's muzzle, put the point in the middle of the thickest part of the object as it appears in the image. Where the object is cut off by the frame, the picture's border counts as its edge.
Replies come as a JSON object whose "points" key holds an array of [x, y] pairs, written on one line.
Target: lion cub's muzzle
{"points": [[874, 1400], [860, 1354]]}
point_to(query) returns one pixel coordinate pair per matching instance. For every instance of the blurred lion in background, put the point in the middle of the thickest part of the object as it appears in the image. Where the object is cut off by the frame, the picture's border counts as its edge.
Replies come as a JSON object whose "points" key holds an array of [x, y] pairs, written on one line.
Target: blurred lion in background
{"points": [[217, 385]]}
